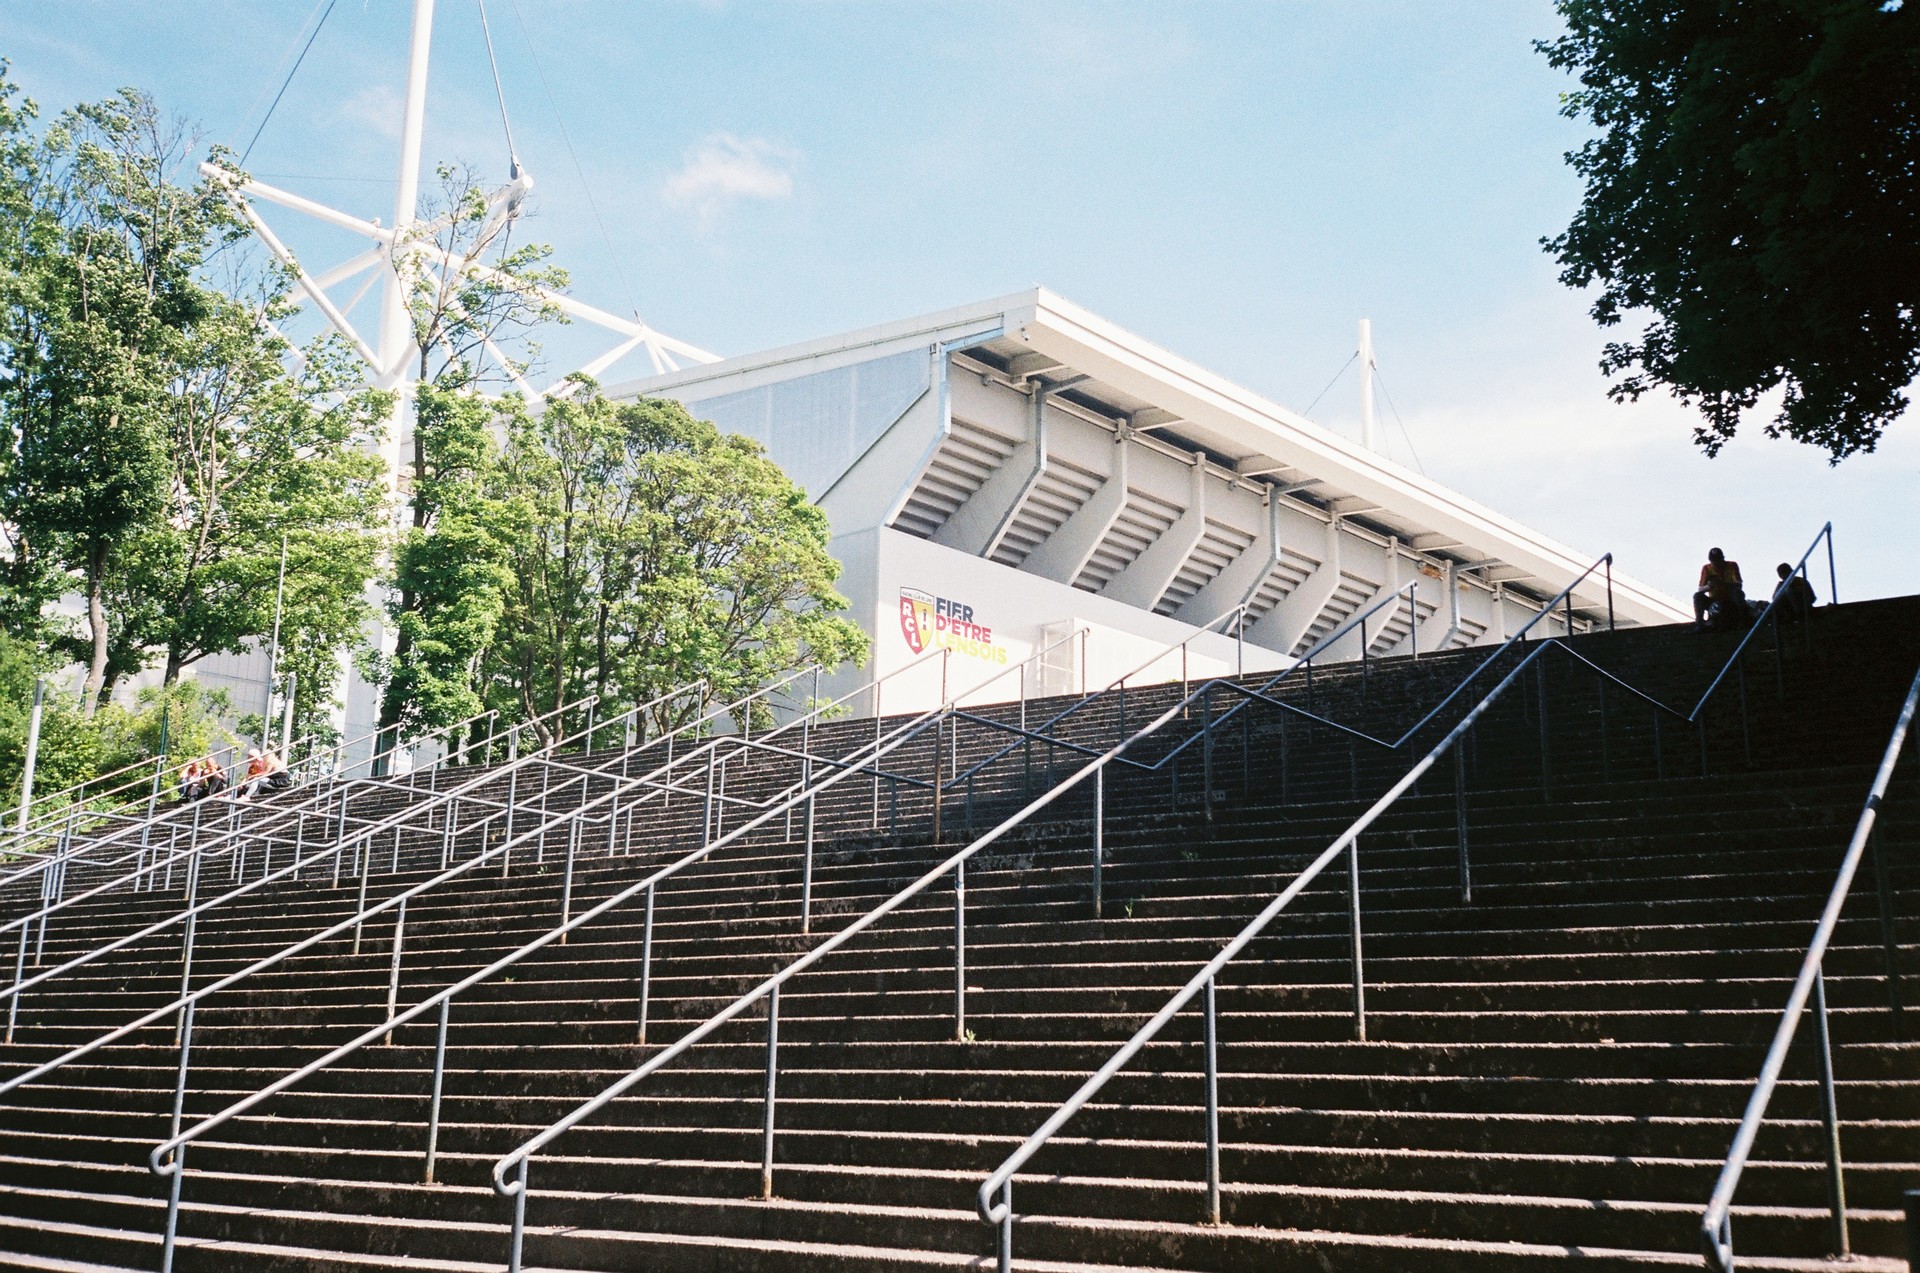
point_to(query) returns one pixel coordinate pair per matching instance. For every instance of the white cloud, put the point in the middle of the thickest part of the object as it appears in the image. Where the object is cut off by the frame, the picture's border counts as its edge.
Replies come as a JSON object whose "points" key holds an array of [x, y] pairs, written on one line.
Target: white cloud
{"points": [[724, 169], [377, 108]]}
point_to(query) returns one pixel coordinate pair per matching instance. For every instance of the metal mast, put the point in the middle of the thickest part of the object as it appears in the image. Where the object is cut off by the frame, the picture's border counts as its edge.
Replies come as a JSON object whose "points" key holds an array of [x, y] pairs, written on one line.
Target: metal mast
{"points": [[1367, 438]]}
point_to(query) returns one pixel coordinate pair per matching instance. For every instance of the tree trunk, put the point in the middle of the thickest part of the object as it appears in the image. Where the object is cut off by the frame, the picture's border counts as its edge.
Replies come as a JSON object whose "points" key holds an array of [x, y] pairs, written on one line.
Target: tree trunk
{"points": [[97, 626]]}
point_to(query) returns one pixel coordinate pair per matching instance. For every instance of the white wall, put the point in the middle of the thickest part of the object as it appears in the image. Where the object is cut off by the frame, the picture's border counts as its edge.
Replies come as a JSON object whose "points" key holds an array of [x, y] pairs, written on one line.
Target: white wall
{"points": [[1020, 614]]}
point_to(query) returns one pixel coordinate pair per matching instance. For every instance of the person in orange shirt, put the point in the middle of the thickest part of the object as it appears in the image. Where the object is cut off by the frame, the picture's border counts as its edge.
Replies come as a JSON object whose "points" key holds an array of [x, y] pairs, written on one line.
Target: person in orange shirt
{"points": [[1720, 585]]}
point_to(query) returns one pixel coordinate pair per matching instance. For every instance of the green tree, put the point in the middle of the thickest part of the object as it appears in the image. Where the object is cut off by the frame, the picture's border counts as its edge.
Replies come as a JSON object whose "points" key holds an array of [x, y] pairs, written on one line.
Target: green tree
{"points": [[451, 569], [257, 453], [467, 296], [1753, 193], [156, 445], [652, 551], [103, 258]]}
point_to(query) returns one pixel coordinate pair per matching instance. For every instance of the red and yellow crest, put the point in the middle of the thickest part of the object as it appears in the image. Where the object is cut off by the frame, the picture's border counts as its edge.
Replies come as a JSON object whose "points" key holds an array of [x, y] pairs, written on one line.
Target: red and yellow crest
{"points": [[916, 619]]}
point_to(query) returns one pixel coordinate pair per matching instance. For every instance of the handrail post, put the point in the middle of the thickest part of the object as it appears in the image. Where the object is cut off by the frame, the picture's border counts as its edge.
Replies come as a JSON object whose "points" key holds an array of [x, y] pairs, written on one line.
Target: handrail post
{"points": [[1006, 1226], [706, 810], [646, 963], [1888, 935], [179, 1165], [364, 850], [566, 880], [1609, 561], [773, 1072], [1546, 756], [1206, 751], [1353, 915], [960, 952], [1212, 1044], [19, 975], [186, 937], [518, 1233], [1099, 833], [1833, 580], [1413, 620], [439, 1073], [393, 973], [1460, 820], [1830, 1116], [806, 873], [940, 725]]}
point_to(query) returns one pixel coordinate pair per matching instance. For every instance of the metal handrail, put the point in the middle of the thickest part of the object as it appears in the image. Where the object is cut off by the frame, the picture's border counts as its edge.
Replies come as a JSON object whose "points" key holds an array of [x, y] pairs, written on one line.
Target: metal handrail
{"points": [[176, 818], [1000, 1212], [1353, 623], [1119, 683], [518, 1159], [50, 797], [173, 1150], [769, 988], [1753, 629], [196, 855], [232, 794], [1716, 1225], [364, 837]]}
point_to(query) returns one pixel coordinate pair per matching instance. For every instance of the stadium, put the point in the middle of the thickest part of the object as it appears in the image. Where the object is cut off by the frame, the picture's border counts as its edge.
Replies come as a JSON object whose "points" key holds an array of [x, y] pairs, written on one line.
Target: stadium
{"points": [[1232, 849]]}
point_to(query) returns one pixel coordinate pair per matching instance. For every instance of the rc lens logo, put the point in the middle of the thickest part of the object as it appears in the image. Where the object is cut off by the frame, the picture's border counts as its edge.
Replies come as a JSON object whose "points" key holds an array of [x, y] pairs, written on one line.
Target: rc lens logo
{"points": [[936, 623]]}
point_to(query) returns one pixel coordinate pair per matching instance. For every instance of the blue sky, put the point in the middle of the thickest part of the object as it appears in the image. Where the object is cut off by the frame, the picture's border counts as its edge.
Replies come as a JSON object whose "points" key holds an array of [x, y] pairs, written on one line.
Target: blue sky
{"points": [[1239, 182]]}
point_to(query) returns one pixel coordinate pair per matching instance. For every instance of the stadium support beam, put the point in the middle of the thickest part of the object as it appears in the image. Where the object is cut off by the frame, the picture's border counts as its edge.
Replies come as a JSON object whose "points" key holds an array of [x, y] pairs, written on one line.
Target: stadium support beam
{"points": [[1064, 554], [1149, 575], [1236, 585], [978, 526], [1282, 627]]}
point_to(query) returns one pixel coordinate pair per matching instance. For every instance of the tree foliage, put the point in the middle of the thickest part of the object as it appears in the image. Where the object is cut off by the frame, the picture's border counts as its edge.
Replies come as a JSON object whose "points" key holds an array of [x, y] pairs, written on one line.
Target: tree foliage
{"points": [[1754, 194], [617, 549], [158, 439]]}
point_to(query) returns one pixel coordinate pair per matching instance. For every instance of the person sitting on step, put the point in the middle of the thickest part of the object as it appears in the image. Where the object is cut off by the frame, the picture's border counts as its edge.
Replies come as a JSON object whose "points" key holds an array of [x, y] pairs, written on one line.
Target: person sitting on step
{"points": [[1722, 598], [1794, 596]]}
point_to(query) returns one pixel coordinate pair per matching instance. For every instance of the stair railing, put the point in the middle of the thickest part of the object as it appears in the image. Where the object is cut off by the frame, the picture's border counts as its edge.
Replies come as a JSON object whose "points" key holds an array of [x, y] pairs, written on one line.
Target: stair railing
{"points": [[1716, 1224], [67, 852], [1262, 694], [183, 1006], [168, 1158], [994, 1198], [1735, 664], [149, 864], [348, 842], [517, 1162]]}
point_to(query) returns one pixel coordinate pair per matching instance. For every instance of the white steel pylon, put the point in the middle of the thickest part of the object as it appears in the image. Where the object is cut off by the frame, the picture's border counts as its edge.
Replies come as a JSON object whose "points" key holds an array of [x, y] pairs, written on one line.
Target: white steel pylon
{"points": [[392, 358]]}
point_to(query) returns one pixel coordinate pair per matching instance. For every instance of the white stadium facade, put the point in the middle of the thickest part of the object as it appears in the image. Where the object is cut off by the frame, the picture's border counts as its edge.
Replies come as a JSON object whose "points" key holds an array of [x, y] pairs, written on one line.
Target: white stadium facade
{"points": [[1002, 475], [1002, 478]]}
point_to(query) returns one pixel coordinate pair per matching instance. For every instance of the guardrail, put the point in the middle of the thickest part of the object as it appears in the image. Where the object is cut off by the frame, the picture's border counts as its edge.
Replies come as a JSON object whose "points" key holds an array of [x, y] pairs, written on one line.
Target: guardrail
{"points": [[1716, 1223], [955, 866], [168, 1158], [233, 843], [994, 1200], [995, 1195]]}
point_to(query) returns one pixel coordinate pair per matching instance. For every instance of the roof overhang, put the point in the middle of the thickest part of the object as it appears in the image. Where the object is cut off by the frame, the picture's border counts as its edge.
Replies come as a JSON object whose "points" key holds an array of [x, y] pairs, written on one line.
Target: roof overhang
{"points": [[1039, 334]]}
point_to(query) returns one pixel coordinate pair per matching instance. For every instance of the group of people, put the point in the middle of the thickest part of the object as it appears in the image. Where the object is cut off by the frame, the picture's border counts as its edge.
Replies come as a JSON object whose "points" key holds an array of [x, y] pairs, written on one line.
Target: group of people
{"points": [[265, 771], [1722, 601]]}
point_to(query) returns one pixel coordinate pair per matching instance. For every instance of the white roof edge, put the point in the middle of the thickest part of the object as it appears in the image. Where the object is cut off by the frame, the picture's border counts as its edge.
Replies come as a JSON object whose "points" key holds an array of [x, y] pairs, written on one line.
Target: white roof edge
{"points": [[1011, 311], [1076, 336], [1089, 343]]}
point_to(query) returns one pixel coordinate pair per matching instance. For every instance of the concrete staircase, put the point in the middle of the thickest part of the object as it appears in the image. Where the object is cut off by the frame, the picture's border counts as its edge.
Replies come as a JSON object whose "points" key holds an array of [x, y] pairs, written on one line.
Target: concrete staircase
{"points": [[1552, 1075]]}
